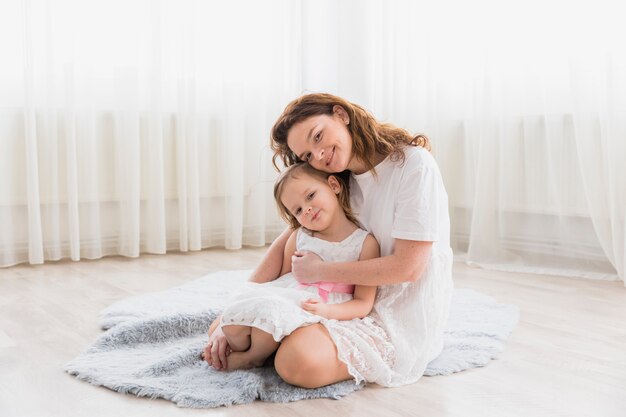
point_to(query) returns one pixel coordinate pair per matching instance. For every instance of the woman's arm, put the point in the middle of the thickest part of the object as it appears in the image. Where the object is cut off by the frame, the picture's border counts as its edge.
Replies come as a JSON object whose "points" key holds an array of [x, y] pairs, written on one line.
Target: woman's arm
{"points": [[270, 267], [406, 264]]}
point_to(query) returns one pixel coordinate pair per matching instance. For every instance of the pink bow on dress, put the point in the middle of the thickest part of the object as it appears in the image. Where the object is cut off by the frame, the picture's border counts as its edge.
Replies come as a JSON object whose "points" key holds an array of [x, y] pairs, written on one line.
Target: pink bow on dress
{"points": [[325, 288]]}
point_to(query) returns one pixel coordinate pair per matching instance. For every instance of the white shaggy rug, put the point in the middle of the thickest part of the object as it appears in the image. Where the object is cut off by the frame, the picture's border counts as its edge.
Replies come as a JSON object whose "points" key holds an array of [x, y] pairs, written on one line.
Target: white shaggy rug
{"points": [[153, 343]]}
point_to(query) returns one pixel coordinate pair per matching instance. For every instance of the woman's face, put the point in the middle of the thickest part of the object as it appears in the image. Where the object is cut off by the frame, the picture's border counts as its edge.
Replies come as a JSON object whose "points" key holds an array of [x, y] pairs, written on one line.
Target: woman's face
{"points": [[323, 141]]}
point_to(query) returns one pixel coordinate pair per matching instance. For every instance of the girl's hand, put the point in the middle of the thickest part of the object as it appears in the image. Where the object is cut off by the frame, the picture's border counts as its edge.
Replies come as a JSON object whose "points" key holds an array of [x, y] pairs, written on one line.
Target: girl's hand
{"points": [[316, 306], [217, 350], [306, 267]]}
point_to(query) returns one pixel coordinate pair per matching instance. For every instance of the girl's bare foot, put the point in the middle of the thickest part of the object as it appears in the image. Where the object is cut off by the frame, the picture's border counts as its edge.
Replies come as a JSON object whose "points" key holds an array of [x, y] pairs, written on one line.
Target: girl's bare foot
{"points": [[243, 360]]}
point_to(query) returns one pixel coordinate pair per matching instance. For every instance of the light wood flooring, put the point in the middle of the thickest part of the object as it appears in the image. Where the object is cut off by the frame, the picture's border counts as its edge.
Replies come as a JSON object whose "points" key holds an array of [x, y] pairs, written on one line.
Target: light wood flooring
{"points": [[567, 356]]}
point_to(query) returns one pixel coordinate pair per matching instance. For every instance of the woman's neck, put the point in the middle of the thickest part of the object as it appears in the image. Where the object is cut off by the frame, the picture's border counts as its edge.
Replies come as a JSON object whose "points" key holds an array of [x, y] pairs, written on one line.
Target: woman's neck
{"points": [[358, 166]]}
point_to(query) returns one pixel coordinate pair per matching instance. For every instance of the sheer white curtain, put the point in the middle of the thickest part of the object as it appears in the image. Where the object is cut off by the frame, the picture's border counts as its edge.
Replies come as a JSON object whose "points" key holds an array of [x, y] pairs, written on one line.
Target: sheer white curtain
{"points": [[525, 105], [139, 126], [142, 126]]}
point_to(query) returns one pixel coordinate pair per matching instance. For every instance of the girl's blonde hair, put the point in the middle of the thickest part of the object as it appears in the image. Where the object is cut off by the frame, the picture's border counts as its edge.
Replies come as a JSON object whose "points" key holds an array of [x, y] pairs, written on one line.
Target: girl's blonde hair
{"points": [[300, 169], [369, 137]]}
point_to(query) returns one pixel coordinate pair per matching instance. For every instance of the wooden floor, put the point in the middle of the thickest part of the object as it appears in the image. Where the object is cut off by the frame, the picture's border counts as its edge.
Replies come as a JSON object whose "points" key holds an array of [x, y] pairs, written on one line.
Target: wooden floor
{"points": [[567, 357]]}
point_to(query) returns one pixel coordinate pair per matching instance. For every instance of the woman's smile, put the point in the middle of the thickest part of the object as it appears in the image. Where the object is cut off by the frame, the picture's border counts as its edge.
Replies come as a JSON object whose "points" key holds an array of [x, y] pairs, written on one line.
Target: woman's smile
{"points": [[330, 157]]}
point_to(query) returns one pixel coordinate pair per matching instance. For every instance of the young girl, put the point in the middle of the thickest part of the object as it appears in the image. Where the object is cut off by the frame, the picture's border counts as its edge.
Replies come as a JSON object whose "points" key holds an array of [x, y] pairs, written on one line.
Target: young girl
{"points": [[316, 205]]}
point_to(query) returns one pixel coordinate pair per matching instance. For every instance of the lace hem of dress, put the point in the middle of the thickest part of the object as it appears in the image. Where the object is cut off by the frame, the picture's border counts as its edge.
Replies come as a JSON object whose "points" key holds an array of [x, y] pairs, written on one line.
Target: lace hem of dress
{"points": [[342, 355], [268, 325], [364, 347]]}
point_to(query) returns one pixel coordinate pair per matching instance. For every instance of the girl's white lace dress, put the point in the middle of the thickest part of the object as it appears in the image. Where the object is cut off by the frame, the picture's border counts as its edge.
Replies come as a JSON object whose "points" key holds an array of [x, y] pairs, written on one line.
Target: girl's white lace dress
{"points": [[274, 306]]}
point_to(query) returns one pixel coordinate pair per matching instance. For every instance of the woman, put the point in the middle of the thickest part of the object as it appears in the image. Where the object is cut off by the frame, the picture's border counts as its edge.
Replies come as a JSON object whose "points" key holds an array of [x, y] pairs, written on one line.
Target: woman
{"points": [[397, 193]]}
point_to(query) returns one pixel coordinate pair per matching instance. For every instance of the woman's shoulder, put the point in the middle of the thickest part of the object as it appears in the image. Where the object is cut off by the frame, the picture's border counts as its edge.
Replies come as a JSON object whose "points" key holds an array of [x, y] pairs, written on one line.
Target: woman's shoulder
{"points": [[416, 155], [415, 159]]}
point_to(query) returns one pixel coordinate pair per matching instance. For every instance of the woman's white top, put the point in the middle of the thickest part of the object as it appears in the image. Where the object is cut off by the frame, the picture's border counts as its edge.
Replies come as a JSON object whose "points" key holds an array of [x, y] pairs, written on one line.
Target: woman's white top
{"points": [[405, 200]]}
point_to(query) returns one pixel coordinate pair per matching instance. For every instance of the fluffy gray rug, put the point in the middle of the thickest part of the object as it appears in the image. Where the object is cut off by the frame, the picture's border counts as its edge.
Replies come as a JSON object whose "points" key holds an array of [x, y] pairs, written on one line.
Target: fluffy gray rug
{"points": [[153, 344]]}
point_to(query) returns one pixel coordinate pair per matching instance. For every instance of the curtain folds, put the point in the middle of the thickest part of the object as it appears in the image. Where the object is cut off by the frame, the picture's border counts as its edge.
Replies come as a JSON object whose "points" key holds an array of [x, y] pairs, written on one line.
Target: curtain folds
{"points": [[142, 126], [133, 127]]}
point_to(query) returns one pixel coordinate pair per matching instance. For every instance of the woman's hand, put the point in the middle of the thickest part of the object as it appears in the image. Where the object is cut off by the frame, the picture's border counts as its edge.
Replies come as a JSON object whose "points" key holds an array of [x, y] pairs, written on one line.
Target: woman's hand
{"points": [[306, 267], [216, 351]]}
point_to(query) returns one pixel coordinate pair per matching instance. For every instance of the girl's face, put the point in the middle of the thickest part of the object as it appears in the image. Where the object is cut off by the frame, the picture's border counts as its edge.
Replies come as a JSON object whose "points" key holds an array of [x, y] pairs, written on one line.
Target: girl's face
{"points": [[323, 141], [312, 201]]}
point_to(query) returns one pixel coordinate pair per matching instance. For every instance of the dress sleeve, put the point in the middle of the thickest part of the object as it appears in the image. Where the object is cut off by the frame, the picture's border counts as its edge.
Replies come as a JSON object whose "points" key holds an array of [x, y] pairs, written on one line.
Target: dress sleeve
{"points": [[421, 197]]}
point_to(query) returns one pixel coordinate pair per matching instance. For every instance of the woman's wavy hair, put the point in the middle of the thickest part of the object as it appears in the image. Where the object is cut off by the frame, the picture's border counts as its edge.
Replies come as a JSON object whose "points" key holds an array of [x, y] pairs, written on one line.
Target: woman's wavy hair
{"points": [[300, 169], [369, 137]]}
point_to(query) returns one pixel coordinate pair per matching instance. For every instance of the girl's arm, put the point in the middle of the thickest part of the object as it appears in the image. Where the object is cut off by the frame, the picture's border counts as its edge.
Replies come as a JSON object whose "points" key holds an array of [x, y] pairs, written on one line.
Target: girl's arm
{"points": [[270, 267], [363, 298], [406, 264], [357, 308]]}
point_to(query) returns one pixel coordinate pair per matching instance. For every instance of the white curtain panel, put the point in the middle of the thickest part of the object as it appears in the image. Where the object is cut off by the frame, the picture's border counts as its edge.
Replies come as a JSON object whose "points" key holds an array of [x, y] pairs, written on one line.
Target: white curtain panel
{"points": [[142, 126], [525, 103], [139, 126]]}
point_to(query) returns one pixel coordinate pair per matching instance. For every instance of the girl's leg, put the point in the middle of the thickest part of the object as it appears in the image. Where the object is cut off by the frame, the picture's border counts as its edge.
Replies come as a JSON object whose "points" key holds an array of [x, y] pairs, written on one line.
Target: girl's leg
{"points": [[214, 325], [238, 337], [308, 358], [262, 346]]}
